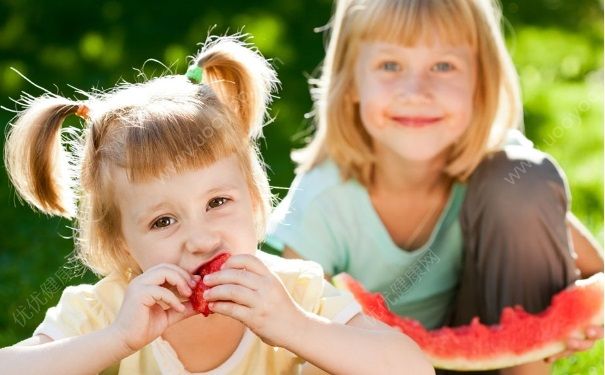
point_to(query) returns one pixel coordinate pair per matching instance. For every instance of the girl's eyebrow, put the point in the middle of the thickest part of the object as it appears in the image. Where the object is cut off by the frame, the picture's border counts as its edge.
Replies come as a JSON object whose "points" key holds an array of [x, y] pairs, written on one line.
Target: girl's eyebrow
{"points": [[141, 216], [220, 189]]}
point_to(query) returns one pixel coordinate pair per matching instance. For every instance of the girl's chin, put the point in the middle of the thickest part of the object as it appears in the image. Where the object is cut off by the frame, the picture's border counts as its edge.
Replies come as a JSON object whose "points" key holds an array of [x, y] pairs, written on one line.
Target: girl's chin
{"points": [[421, 155]]}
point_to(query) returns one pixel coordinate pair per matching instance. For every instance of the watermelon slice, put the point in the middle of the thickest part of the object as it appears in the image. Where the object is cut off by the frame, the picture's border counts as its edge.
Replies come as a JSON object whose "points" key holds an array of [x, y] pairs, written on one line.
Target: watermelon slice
{"points": [[519, 338], [197, 297]]}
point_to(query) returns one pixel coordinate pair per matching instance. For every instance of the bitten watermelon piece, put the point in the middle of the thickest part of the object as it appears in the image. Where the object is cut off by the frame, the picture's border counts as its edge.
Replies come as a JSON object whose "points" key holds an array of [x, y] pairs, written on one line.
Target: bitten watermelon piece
{"points": [[519, 338], [197, 297]]}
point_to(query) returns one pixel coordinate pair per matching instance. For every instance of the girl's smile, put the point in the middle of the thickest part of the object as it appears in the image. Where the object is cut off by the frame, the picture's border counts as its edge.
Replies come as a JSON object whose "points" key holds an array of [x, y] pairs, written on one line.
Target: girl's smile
{"points": [[416, 121]]}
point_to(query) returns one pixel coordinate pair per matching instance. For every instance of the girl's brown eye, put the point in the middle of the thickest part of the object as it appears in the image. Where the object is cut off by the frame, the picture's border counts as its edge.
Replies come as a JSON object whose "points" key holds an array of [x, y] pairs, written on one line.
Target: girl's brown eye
{"points": [[217, 202], [163, 222]]}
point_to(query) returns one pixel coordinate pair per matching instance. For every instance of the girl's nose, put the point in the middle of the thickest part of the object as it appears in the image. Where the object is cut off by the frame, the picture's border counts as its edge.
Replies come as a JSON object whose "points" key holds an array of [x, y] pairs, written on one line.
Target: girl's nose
{"points": [[202, 240], [412, 87]]}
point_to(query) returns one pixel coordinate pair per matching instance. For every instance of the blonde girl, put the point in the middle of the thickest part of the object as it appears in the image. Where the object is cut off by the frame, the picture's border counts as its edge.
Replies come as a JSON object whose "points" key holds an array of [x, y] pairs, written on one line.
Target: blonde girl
{"points": [[164, 177], [409, 181]]}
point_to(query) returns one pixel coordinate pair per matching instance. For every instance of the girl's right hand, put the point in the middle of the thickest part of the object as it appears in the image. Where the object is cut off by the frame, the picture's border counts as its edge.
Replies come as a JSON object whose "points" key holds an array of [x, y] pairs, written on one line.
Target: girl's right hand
{"points": [[141, 318]]}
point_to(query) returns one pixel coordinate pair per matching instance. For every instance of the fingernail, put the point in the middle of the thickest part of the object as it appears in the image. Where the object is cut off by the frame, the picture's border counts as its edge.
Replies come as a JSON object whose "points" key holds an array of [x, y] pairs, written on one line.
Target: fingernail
{"points": [[192, 283], [573, 344], [206, 292], [591, 332]]}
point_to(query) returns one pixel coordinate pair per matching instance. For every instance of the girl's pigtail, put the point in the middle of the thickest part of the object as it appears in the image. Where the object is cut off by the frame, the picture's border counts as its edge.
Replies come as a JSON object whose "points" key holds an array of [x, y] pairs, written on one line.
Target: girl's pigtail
{"points": [[37, 163], [241, 78]]}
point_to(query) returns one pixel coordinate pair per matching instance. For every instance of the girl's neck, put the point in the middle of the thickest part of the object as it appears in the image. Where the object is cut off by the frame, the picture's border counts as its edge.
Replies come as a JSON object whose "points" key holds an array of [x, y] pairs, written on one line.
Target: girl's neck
{"points": [[203, 343], [392, 174]]}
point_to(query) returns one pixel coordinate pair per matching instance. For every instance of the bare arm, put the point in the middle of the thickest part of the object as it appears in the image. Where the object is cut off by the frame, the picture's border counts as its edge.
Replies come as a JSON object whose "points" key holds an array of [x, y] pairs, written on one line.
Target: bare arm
{"points": [[87, 354], [589, 258], [363, 346]]}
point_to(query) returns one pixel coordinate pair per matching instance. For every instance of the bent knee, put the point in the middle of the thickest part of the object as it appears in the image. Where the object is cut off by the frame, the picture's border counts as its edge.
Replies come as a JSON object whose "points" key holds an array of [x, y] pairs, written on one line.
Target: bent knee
{"points": [[521, 179]]}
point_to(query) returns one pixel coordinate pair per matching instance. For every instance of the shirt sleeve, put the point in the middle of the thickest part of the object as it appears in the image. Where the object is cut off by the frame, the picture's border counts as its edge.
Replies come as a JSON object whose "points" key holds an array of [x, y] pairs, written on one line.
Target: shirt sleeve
{"points": [[337, 305], [78, 312], [313, 293]]}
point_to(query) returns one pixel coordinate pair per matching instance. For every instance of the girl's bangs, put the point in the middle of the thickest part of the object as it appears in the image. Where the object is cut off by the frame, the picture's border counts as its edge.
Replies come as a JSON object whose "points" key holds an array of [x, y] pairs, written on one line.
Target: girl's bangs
{"points": [[412, 21], [158, 146]]}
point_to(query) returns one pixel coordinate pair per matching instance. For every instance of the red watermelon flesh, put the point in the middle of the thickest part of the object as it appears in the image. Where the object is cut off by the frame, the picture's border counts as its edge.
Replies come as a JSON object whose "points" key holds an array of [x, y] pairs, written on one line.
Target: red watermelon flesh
{"points": [[197, 297], [519, 338]]}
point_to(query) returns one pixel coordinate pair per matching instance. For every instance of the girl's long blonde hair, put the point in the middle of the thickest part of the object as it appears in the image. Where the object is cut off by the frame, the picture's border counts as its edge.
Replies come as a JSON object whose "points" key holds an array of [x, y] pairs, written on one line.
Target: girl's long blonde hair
{"points": [[340, 135], [150, 129]]}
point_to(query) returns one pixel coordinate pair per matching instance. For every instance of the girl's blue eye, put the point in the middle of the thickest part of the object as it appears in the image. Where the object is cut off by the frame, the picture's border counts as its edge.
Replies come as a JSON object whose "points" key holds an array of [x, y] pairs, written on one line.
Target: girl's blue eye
{"points": [[390, 66], [442, 67], [217, 202], [163, 222]]}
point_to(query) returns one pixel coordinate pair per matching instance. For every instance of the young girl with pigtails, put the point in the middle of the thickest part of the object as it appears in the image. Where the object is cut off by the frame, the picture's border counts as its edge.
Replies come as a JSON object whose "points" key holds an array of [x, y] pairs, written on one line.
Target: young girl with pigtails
{"points": [[417, 182], [164, 177]]}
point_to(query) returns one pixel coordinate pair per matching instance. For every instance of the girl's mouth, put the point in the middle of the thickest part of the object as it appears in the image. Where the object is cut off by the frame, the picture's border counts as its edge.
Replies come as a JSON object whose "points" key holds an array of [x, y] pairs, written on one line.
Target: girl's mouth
{"points": [[205, 265], [416, 121]]}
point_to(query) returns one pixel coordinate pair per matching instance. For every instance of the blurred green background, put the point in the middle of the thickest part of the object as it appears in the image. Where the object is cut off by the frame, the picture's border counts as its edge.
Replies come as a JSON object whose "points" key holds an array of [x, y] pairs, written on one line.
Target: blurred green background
{"points": [[557, 46]]}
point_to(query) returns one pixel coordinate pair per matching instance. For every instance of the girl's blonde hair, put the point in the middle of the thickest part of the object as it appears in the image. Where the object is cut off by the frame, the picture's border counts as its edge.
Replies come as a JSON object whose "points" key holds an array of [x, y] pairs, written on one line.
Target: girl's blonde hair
{"points": [[340, 134], [164, 125]]}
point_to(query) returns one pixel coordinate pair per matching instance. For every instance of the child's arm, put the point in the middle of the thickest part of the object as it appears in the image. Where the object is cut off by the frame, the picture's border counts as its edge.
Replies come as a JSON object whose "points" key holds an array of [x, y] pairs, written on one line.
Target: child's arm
{"points": [[87, 354], [246, 290], [140, 320], [363, 346], [589, 255]]}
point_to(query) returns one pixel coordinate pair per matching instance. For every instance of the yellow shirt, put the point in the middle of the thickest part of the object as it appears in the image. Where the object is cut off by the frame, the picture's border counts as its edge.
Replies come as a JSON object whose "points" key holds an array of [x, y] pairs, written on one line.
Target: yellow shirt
{"points": [[87, 308]]}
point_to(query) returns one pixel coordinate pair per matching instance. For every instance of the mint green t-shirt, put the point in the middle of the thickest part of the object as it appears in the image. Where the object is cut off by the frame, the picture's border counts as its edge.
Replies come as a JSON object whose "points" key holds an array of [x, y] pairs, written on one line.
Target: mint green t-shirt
{"points": [[334, 223]]}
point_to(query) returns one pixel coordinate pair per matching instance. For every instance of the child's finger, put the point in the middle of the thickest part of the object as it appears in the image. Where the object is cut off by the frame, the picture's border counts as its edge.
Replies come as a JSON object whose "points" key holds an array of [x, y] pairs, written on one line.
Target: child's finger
{"points": [[238, 312], [163, 275], [248, 262], [237, 276], [231, 292], [171, 266], [155, 294], [175, 316], [579, 344], [594, 332]]}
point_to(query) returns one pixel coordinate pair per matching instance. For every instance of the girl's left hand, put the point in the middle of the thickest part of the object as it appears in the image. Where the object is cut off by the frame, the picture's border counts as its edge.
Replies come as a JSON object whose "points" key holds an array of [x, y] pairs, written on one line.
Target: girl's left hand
{"points": [[574, 345], [246, 290]]}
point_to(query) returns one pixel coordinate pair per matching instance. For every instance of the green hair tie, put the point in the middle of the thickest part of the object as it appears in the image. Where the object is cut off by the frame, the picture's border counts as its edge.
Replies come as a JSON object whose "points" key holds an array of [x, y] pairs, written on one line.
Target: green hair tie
{"points": [[194, 73]]}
